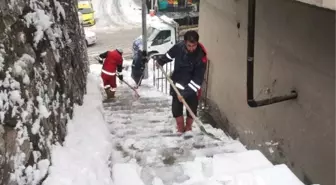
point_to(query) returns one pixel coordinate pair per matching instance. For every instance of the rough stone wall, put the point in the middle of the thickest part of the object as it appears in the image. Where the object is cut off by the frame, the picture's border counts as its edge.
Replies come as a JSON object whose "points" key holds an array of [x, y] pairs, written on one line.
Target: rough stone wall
{"points": [[43, 69]]}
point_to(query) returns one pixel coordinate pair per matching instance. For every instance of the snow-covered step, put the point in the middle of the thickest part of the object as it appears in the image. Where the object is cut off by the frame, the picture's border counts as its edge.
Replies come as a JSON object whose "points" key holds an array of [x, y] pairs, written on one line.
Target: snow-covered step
{"points": [[229, 164], [140, 133], [136, 110], [128, 123], [143, 132], [169, 143], [153, 119], [126, 173], [169, 153], [275, 175], [136, 104], [229, 147]]}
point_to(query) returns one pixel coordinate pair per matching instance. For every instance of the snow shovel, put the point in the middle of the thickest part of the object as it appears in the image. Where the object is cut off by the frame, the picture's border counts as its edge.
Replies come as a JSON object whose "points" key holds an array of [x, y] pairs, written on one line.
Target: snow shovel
{"points": [[141, 77], [137, 96], [136, 92], [198, 122], [139, 82]]}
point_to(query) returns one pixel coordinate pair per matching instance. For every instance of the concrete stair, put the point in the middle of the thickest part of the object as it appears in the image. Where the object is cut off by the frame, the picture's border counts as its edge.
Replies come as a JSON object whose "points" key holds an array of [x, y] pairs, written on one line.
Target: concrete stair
{"points": [[143, 135]]}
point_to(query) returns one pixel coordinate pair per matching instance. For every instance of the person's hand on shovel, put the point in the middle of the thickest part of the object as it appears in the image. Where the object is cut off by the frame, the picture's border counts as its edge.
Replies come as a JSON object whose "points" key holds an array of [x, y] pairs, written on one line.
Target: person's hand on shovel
{"points": [[157, 65], [121, 78]]}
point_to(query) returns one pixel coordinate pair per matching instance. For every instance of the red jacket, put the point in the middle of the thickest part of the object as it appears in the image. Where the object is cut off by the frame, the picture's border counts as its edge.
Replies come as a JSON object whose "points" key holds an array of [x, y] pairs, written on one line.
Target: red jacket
{"points": [[113, 59], [205, 60]]}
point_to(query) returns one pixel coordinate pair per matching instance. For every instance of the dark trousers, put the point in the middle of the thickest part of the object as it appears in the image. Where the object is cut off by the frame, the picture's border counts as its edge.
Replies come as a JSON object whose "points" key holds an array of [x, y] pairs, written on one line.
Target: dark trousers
{"points": [[137, 75], [177, 106]]}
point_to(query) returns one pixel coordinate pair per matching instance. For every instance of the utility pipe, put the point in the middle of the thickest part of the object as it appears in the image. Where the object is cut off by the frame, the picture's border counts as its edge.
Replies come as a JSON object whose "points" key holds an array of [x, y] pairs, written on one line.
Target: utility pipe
{"points": [[250, 65]]}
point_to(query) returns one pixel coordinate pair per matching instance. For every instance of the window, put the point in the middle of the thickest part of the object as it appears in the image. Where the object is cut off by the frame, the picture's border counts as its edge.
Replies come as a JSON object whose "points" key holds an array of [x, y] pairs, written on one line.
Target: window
{"points": [[163, 37], [85, 10], [150, 31]]}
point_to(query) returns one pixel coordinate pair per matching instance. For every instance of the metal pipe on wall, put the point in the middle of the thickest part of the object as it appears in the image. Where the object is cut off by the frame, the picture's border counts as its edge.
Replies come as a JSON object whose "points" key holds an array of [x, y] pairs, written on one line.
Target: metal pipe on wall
{"points": [[250, 64]]}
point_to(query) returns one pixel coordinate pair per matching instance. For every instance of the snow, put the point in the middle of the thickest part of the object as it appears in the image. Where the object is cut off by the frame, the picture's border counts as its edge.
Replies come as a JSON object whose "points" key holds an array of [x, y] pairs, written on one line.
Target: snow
{"points": [[26, 79], [43, 111], [88, 157], [34, 175], [60, 10], [83, 159], [41, 18], [41, 21], [126, 173], [116, 15], [232, 163], [2, 60], [127, 15], [21, 65], [131, 10], [15, 97]]}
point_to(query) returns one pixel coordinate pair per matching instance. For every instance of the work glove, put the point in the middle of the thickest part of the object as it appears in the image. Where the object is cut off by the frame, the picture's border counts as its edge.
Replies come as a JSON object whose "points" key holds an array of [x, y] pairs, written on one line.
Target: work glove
{"points": [[156, 57], [142, 68], [144, 60], [100, 60], [157, 64], [121, 77]]}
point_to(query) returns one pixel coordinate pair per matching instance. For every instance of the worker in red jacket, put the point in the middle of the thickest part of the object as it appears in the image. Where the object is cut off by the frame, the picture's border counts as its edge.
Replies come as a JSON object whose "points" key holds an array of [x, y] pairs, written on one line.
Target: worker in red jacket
{"points": [[112, 66]]}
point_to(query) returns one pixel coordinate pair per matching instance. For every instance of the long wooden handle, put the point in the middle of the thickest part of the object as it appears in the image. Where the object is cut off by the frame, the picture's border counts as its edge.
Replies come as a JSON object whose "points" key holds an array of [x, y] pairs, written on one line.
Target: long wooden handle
{"points": [[177, 92], [197, 121], [130, 87]]}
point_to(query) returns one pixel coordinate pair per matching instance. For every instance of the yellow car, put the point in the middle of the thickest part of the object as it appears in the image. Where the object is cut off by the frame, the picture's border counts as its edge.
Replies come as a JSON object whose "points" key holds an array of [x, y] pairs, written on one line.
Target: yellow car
{"points": [[85, 8]]}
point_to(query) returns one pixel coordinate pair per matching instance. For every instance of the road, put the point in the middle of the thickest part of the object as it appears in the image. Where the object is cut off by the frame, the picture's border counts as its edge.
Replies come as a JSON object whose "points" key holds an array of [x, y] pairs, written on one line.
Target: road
{"points": [[118, 24], [107, 40]]}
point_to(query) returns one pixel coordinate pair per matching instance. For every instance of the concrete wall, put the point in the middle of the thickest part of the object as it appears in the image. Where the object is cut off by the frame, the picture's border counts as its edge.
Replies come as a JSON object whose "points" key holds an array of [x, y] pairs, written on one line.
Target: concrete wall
{"points": [[295, 49]]}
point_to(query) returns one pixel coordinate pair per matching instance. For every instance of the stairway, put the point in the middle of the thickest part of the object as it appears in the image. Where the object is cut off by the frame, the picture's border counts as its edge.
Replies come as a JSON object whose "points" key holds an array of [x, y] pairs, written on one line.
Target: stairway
{"points": [[148, 152]]}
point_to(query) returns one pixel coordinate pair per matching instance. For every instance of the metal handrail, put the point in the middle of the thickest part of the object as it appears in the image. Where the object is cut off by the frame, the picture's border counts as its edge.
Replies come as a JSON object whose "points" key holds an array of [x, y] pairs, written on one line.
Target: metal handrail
{"points": [[159, 81], [162, 84]]}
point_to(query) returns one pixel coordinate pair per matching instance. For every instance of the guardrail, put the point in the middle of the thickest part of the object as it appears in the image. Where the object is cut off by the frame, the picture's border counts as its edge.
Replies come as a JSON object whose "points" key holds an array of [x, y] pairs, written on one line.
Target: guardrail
{"points": [[159, 81]]}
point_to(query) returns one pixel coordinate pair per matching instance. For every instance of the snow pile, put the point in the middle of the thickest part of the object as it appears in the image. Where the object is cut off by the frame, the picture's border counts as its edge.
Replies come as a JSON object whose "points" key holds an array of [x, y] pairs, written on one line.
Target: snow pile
{"points": [[248, 168], [84, 157], [244, 168], [10, 95], [2, 53], [21, 65], [159, 19], [126, 174], [131, 11], [116, 15], [42, 21]]}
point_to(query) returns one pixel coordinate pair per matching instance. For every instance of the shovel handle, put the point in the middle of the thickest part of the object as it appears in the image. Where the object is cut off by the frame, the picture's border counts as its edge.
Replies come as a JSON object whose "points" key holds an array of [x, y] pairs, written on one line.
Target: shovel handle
{"points": [[177, 92], [131, 87], [200, 124]]}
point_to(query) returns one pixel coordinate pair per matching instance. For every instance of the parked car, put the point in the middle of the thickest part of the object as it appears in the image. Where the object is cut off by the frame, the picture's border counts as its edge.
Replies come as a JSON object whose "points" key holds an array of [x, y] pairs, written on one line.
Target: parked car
{"points": [[80, 18], [90, 37], [86, 9]]}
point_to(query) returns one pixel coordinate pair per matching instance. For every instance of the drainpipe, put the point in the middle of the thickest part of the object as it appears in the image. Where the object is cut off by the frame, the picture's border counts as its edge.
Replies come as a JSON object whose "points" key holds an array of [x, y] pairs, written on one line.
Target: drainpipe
{"points": [[250, 65], [144, 39], [144, 26]]}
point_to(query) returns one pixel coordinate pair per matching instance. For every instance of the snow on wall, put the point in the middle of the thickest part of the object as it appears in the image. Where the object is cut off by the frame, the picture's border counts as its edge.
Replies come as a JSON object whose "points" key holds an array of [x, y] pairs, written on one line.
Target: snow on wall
{"points": [[43, 69]]}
